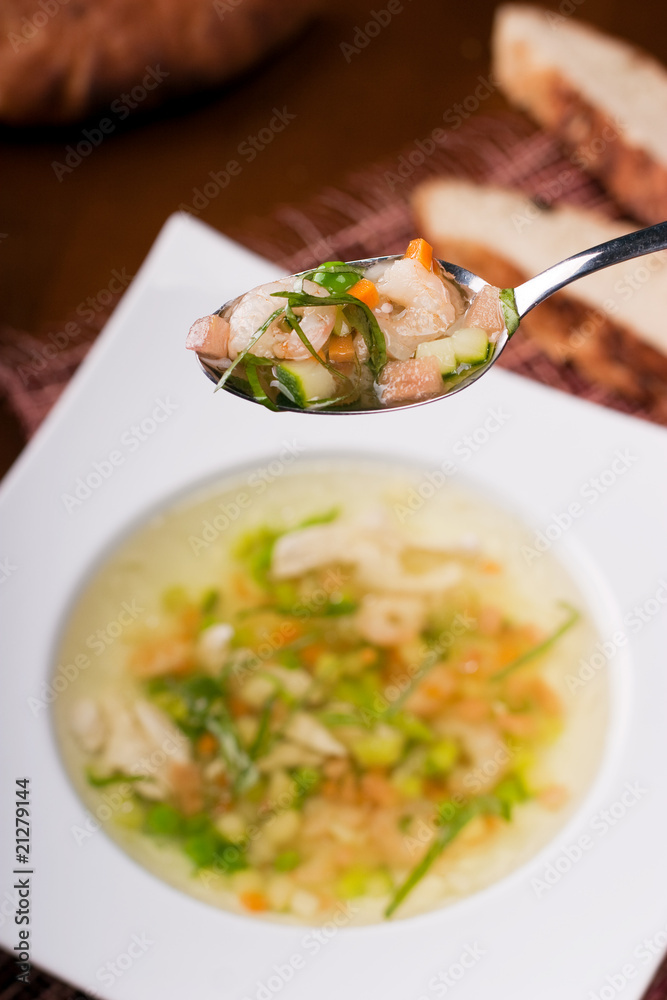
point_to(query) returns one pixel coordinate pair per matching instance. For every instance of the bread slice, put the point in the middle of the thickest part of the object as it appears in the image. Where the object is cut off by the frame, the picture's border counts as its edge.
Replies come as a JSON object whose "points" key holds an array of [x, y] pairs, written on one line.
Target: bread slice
{"points": [[611, 326], [60, 61], [603, 98]]}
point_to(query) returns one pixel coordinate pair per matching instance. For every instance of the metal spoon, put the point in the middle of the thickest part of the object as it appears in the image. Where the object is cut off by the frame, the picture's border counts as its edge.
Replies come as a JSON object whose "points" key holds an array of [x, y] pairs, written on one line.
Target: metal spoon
{"points": [[525, 298]]}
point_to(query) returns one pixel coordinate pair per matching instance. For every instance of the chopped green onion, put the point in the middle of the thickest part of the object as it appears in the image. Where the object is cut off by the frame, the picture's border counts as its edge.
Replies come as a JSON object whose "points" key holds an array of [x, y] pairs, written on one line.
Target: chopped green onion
{"points": [[541, 647], [287, 861], [102, 780], [209, 601], [164, 821], [447, 831], [262, 738]]}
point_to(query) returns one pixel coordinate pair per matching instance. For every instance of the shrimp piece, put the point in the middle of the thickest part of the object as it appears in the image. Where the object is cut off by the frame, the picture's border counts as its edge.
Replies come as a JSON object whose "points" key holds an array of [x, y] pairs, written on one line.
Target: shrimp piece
{"points": [[369, 547], [377, 789], [185, 781], [252, 311], [309, 548], [307, 731], [428, 307], [255, 308], [316, 322], [386, 620], [410, 284], [553, 797], [487, 752], [209, 336], [429, 696], [140, 740], [389, 844], [160, 656], [88, 725]]}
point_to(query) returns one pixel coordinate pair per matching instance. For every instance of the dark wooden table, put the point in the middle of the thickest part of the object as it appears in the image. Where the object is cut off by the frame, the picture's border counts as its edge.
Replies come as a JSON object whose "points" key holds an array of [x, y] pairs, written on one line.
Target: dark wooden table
{"points": [[66, 237]]}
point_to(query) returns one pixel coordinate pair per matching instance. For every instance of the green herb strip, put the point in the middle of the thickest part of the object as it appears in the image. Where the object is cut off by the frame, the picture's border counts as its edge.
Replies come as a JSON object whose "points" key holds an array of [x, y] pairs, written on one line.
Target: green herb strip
{"points": [[259, 395], [102, 780], [293, 321], [508, 793], [239, 762], [246, 350], [541, 647], [510, 311], [368, 327]]}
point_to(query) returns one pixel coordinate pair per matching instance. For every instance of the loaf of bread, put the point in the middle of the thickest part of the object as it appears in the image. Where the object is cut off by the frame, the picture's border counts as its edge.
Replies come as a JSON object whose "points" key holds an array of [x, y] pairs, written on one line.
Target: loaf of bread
{"points": [[611, 326], [62, 59], [603, 98]]}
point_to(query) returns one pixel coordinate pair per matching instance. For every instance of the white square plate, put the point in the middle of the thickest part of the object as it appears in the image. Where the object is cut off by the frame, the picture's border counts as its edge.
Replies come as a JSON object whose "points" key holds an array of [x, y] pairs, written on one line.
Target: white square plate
{"points": [[597, 930]]}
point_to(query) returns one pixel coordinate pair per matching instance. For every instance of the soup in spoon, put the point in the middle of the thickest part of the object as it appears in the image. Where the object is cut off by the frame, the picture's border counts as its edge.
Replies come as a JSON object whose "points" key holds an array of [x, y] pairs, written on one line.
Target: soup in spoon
{"points": [[346, 336]]}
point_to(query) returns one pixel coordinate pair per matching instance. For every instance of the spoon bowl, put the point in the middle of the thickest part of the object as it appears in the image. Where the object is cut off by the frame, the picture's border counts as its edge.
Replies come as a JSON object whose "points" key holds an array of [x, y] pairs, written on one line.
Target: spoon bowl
{"points": [[522, 299]]}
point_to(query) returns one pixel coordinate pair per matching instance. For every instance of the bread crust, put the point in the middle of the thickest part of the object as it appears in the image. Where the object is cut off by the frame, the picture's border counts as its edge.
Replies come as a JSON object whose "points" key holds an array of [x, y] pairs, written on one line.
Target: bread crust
{"points": [[568, 332], [595, 142], [62, 59]]}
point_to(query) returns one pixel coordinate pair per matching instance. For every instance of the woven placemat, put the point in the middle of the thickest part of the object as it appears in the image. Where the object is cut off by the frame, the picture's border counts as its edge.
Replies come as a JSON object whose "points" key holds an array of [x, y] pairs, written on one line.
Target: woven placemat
{"points": [[366, 215]]}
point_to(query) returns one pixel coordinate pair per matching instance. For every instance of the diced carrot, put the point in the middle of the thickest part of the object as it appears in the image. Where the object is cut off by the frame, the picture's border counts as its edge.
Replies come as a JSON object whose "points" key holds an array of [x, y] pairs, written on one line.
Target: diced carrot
{"points": [[207, 744], [341, 349], [236, 706], [329, 789], [311, 653], [378, 789], [472, 709], [422, 251], [365, 291], [491, 566], [256, 902]]}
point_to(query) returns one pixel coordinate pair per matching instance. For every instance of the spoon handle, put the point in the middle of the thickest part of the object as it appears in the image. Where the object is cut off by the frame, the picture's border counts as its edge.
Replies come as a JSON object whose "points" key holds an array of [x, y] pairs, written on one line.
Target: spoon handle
{"points": [[536, 289]]}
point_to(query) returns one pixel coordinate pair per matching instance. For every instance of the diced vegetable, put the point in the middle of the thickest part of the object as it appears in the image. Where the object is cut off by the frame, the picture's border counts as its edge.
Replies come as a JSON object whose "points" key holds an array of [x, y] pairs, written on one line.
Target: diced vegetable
{"points": [[471, 345], [422, 251], [256, 902], [305, 382], [442, 756], [336, 276], [287, 861], [366, 291], [361, 881], [382, 748], [443, 350], [341, 350], [341, 327], [163, 820]]}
